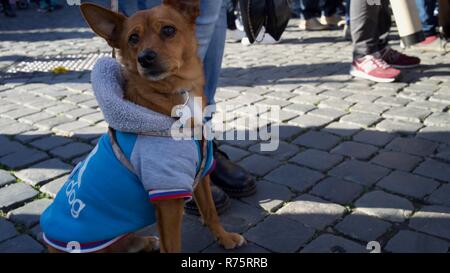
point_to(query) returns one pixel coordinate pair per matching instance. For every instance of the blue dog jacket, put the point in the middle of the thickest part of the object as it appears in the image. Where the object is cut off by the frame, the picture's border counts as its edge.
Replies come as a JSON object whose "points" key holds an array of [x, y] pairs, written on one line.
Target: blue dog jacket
{"points": [[103, 200]]}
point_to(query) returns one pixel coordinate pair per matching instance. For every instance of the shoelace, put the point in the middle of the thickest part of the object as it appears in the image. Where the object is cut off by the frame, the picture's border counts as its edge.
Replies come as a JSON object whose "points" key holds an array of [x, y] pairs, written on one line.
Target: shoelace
{"points": [[371, 63]]}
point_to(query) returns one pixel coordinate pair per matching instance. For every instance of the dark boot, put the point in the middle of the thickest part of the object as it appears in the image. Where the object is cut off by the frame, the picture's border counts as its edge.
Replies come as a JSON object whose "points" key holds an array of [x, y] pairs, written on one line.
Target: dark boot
{"points": [[221, 200], [230, 177]]}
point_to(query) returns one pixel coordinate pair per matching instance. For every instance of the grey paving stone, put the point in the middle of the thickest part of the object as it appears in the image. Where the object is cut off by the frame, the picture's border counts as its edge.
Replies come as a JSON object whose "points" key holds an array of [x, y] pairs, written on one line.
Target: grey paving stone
{"points": [[15, 195], [30, 136], [258, 164], [342, 129], [235, 154], [29, 214], [408, 184], [337, 190], [48, 124], [317, 140], [434, 169], [67, 129], [396, 160], [280, 234], [317, 159], [369, 108], [71, 150], [433, 220], [15, 128], [328, 243], [402, 127], [23, 158], [240, 217], [361, 119], [441, 196], [79, 112], [407, 113], [433, 133], [413, 146], [21, 244], [53, 187], [21, 112], [385, 206], [438, 119], [374, 137], [50, 142], [295, 177], [269, 196], [299, 108], [355, 150], [6, 178], [312, 211], [283, 152], [392, 101], [328, 113], [429, 105], [88, 133], [363, 227], [7, 230], [43, 172], [334, 103], [310, 121], [407, 241], [359, 172]]}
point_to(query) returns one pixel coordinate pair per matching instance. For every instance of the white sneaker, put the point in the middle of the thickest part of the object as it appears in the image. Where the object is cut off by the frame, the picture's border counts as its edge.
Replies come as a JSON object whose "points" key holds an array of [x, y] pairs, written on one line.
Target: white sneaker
{"points": [[312, 24], [263, 39]]}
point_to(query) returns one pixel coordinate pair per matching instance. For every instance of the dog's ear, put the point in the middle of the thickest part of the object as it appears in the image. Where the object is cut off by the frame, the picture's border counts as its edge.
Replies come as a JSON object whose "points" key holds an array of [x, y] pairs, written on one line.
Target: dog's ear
{"points": [[189, 8], [106, 23]]}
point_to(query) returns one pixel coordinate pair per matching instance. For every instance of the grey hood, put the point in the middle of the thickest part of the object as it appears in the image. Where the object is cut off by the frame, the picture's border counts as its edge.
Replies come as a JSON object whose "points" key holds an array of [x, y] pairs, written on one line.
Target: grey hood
{"points": [[120, 114]]}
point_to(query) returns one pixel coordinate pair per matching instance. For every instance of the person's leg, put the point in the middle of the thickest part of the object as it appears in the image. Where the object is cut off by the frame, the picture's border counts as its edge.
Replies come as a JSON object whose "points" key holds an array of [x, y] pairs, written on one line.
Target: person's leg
{"points": [[310, 9], [142, 4], [428, 19], [364, 28], [122, 7], [214, 46], [330, 7], [384, 24]]}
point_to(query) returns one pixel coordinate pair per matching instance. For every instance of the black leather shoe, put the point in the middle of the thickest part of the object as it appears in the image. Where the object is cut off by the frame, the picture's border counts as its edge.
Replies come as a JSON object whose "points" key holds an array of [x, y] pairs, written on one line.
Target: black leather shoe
{"points": [[221, 200], [230, 177]]}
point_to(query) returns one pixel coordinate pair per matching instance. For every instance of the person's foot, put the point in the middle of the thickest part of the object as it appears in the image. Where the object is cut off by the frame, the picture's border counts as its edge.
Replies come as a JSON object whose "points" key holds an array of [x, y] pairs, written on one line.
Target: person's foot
{"points": [[330, 21], [221, 201], [346, 34], [230, 177], [431, 43], [399, 60], [312, 24], [374, 68], [264, 39]]}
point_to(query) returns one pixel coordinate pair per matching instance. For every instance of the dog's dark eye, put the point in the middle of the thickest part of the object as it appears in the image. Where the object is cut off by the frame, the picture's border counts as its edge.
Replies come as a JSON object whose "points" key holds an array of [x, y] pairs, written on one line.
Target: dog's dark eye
{"points": [[168, 31], [134, 39]]}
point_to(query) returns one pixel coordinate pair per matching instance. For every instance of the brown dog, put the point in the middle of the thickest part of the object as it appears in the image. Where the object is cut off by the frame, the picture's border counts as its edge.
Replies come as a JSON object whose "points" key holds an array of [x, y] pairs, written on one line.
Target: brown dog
{"points": [[158, 49]]}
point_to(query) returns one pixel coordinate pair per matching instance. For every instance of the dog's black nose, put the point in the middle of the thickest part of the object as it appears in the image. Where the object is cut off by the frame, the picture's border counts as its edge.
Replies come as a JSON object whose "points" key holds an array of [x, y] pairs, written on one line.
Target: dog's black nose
{"points": [[147, 58]]}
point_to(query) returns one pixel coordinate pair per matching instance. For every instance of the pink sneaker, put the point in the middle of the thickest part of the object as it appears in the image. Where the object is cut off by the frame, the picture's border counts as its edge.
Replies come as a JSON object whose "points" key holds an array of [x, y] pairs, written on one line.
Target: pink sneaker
{"points": [[399, 60], [374, 68]]}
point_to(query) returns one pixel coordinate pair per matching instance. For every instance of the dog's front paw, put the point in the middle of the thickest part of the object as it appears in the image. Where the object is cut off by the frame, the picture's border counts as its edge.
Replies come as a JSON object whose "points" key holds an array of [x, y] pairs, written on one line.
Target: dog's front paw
{"points": [[231, 240]]}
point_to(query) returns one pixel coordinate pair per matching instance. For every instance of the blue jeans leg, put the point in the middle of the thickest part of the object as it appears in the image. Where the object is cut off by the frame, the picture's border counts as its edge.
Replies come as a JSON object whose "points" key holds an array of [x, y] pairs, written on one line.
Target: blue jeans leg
{"points": [[426, 12], [211, 33], [142, 4], [310, 9]]}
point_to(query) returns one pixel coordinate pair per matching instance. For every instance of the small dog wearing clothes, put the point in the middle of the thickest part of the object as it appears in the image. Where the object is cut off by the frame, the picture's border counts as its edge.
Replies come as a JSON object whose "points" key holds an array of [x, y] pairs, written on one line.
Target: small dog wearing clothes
{"points": [[132, 179]]}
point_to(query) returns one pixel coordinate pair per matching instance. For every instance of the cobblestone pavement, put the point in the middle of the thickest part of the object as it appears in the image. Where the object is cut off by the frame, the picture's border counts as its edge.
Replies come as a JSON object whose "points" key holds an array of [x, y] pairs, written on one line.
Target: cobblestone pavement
{"points": [[358, 161]]}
